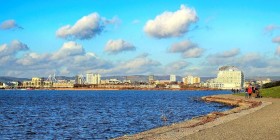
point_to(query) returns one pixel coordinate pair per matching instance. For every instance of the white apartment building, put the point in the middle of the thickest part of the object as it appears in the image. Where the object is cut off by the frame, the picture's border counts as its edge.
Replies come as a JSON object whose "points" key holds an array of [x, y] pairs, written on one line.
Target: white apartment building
{"points": [[191, 80], [172, 78], [93, 78], [229, 77]]}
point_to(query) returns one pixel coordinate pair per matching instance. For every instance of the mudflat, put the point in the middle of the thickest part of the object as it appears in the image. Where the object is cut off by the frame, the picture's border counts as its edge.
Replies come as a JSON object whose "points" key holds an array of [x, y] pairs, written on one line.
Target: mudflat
{"points": [[261, 122]]}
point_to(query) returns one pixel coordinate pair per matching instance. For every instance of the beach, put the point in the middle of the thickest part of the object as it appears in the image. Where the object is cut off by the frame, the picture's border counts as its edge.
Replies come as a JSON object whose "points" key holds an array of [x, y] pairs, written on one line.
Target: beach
{"points": [[261, 121]]}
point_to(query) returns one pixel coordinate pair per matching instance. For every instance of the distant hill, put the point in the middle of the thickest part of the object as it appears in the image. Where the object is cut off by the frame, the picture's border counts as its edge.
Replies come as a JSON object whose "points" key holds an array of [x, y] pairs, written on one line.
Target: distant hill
{"points": [[10, 79], [143, 78], [254, 78]]}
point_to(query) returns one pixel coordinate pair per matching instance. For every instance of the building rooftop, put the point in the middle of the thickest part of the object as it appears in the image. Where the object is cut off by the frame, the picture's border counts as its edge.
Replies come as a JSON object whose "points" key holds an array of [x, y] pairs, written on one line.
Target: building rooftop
{"points": [[228, 68]]}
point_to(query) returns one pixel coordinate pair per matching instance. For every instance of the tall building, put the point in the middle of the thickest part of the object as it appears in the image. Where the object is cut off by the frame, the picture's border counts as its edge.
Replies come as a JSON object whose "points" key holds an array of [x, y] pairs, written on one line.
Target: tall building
{"points": [[93, 78], [151, 78], [79, 79], [229, 77], [191, 80], [172, 78]]}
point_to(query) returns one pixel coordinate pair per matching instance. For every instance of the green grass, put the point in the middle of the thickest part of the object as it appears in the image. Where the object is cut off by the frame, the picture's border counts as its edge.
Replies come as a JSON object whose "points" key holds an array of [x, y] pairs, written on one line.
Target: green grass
{"points": [[273, 92]]}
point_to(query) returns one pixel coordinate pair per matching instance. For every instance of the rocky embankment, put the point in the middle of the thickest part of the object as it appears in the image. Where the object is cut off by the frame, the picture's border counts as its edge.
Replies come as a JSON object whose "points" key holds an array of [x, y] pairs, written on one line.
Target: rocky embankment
{"points": [[182, 129]]}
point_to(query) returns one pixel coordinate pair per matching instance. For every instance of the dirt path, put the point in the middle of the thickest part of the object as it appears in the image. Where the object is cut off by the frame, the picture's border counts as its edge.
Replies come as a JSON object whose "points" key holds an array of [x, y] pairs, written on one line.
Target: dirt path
{"points": [[261, 124]]}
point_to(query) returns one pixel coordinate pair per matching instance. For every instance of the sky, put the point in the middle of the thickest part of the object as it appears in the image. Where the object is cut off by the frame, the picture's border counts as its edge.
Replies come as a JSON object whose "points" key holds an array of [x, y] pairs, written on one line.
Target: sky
{"points": [[128, 37]]}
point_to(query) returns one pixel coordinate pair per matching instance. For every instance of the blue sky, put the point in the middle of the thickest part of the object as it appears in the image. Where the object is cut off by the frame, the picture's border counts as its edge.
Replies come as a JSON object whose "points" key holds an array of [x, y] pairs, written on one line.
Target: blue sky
{"points": [[125, 37]]}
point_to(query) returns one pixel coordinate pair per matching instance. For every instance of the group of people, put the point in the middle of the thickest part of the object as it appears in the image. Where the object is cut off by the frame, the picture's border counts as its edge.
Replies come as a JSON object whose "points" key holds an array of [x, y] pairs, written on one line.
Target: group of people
{"points": [[235, 90], [252, 90]]}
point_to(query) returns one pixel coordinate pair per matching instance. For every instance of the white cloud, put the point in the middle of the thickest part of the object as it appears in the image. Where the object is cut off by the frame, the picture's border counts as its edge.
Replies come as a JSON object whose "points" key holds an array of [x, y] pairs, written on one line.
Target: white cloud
{"points": [[177, 67], [117, 46], [246, 61], [70, 48], [171, 24], [182, 46], [9, 24], [69, 59], [271, 28], [187, 49], [138, 65], [193, 53], [230, 53], [276, 39], [11, 49], [277, 52], [85, 28], [114, 20], [33, 59]]}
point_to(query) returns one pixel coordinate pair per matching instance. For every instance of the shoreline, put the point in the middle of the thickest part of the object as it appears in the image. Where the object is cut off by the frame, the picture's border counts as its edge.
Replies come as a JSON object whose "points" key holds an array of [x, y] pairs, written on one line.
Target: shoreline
{"points": [[152, 89], [183, 129]]}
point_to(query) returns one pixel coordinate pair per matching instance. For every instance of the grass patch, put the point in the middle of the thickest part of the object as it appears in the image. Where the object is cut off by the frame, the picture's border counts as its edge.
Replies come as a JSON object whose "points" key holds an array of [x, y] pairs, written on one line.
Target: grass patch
{"points": [[273, 92]]}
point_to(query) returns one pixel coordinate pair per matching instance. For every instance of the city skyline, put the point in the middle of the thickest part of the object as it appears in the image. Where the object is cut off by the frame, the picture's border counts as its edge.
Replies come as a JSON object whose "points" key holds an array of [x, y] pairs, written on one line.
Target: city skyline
{"points": [[138, 37]]}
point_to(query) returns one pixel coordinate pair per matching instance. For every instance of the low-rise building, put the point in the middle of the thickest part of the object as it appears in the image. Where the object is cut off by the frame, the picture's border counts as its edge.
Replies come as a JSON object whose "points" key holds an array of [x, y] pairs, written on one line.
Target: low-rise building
{"points": [[35, 82], [65, 84]]}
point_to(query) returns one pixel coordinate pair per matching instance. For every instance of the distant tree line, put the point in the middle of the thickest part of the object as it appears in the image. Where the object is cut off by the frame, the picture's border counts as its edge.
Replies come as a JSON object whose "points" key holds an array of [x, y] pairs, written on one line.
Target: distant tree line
{"points": [[271, 84]]}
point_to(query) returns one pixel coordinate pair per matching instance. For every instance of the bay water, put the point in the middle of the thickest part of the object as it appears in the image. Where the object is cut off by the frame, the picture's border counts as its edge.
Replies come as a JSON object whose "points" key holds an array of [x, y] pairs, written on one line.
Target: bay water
{"points": [[52, 114]]}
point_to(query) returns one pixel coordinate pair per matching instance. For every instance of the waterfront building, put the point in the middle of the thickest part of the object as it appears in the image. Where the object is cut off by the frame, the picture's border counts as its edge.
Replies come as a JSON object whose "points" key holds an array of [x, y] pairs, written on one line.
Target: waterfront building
{"points": [[126, 82], [35, 82], [63, 84], [47, 84], [162, 81], [2, 85], [263, 81], [136, 78], [172, 78], [189, 80], [79, 79], [228, 77], [93, 78], [114, 81], [151, 78]]}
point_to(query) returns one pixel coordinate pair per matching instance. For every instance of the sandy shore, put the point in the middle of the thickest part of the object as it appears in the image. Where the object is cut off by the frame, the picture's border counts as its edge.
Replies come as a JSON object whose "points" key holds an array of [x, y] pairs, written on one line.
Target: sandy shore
{"points": [[253, 119]]}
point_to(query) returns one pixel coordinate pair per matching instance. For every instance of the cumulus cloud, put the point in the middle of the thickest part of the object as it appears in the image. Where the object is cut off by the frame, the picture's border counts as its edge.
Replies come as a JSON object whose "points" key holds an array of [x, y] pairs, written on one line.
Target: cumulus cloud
{"points": [[70, 48], [246, 61], [171, 24], [11, 49], [117, 46], [252, 60], [271, 28], [114, 20], [225, 58], [34, 59], [9, 24], [85, 28], [139, 65], [276, 39], [70, 57], [187, 49], [230, 53], [176, 67]]}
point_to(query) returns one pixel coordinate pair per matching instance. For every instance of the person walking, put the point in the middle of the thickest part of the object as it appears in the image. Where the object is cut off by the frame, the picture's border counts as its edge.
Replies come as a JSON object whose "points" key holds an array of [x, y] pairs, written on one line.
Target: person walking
{"points": [[246, 93], [250, 91]]}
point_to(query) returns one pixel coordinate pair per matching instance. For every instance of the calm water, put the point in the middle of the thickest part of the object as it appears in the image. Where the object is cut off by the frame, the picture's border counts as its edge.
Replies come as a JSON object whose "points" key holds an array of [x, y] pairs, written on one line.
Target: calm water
{"points": [[95, 114]]}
